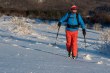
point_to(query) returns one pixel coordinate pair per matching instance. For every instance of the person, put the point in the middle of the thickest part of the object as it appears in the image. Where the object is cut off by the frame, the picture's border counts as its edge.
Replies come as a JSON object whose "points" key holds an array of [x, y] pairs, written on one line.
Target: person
{"points": [[73, 20]]}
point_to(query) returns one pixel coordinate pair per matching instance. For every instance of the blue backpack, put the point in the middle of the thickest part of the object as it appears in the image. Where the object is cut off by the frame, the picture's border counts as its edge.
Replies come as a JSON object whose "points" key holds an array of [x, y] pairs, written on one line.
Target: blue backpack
{"points": [[72, 26]]}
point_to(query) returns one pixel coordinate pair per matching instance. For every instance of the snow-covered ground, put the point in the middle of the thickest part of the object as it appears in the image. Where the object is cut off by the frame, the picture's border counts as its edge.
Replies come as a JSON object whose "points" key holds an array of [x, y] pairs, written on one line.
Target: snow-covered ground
{"points": [[34, 53]]}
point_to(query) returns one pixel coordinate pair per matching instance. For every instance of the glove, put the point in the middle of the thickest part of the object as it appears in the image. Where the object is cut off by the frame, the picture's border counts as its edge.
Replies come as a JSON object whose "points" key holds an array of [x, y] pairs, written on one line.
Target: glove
{"points": [[59, 24], [84, 31]]}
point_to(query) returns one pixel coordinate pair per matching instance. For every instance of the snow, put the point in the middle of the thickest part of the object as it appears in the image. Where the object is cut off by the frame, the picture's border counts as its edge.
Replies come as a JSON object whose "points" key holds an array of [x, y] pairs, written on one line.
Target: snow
{"points": [[34, 53]]}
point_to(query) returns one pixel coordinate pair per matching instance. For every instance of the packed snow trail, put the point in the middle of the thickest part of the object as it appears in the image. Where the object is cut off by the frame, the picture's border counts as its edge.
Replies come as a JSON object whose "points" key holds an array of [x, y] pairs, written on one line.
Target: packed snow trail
{"points": [[32, 54]]}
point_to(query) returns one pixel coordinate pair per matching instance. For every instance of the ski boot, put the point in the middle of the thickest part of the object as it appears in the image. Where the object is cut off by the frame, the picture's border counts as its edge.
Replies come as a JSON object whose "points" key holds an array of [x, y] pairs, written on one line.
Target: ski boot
{"points": [[74, 57], [69, 54]]}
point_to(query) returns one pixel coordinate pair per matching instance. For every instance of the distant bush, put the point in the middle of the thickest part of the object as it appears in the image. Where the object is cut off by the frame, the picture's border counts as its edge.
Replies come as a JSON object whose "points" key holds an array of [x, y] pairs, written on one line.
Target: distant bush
{"points": [[101, 18], [105, 35], [21, 27], [97, 27], [53, 14], [107, 18], [105, 42]]}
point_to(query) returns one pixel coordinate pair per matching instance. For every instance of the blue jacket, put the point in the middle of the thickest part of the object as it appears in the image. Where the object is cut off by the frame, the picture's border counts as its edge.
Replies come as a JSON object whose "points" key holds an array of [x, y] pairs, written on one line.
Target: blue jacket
{"points": [[71, 19]]}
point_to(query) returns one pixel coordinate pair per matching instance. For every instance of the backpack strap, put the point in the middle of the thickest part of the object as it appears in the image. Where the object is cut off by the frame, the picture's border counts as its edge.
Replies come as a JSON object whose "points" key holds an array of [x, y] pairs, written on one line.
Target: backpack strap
{"points": [[68, 16], [77, 19]]}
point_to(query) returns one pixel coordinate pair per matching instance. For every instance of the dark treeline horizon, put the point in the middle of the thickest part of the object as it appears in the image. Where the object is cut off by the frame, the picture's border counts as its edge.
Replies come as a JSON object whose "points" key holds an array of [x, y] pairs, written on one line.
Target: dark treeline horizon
{"points": [[96, 11]]}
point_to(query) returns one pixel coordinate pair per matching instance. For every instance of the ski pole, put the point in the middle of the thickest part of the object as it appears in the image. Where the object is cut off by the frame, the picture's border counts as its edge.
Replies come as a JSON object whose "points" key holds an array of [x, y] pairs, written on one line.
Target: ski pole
{"points": [[84, 40], [57, 35]]}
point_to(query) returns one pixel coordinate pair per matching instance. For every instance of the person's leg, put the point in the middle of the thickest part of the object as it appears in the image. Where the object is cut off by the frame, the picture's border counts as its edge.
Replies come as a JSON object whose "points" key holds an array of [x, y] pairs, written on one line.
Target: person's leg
{"points": [[74, 44], [68, 42]]}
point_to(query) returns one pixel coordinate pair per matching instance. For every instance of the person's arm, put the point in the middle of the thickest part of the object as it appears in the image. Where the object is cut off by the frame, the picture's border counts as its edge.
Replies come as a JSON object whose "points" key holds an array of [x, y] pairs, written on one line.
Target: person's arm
{"points": [[63, 20], [81, 22]]}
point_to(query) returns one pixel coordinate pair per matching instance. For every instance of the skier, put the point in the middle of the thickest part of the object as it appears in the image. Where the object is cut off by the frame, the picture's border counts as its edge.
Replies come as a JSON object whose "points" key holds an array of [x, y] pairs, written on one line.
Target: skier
{"points": [[73, 20]]}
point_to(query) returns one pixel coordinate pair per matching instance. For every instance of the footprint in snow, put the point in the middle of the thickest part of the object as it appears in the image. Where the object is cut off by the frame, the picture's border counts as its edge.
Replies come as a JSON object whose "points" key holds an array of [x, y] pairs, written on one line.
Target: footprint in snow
{"points": [[6, 40], [56, 47], [87, 57], [100, 62], [16, 40], [14, 44], [28, 48], [50, 45], [18, 54], [53, 45], [38, 43], [109, 60], [108, 64], [31, 44]]}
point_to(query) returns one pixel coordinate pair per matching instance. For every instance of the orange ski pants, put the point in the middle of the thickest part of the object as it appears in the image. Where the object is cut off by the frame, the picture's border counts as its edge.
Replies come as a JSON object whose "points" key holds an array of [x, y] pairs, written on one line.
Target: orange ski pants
{"points": [[71, 42]]}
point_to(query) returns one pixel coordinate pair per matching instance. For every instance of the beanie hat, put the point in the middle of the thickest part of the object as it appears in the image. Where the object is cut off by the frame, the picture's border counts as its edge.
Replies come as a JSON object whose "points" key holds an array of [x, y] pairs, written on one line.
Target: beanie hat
{"points": [[74, 7]]}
